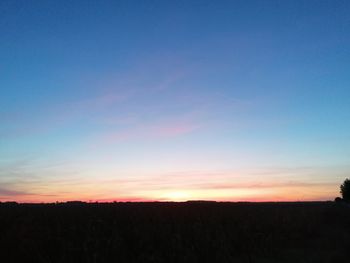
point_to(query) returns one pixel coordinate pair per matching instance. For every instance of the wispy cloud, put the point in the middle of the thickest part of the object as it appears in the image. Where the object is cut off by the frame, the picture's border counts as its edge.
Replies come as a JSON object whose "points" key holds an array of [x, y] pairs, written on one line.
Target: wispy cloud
{"points": [[215, 181], [147, 131], [173, 129], [108, 97], [137, 128], [49, 184], [229, 185], [141, 96], [11, 193]]}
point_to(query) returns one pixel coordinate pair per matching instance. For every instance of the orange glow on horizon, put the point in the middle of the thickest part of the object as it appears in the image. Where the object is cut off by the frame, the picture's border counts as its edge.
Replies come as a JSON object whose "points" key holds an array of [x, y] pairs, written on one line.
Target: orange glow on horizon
{"points": [[223, 195]]}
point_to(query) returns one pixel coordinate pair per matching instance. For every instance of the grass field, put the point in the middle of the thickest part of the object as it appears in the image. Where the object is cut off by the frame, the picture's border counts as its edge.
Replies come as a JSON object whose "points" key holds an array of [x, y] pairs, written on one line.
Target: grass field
{"points": [[175, 232]]}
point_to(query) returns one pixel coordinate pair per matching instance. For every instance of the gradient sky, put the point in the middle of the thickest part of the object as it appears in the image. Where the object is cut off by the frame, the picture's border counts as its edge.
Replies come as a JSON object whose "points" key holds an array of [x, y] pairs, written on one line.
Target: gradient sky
{"points": [[174, 100]]}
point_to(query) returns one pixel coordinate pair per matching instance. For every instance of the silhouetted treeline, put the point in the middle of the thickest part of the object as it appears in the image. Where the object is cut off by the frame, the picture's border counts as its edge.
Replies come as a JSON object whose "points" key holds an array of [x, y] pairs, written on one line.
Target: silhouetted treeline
{"points": [[174, 232]]}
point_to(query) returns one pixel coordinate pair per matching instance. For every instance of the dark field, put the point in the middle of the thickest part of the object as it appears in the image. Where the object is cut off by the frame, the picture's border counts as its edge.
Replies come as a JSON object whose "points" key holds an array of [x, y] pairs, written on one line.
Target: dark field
{"points": [[175, 232]]}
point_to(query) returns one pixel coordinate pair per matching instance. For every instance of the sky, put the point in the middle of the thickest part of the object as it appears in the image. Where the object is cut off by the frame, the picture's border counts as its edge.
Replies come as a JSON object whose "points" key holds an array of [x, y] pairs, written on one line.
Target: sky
{"points": [[174, 100]]}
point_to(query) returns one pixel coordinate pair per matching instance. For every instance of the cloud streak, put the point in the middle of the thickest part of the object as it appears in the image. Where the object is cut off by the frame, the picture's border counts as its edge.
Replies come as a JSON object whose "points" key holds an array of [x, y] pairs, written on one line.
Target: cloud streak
{"points": [[159, 130], [30, 180], [4, 192]]}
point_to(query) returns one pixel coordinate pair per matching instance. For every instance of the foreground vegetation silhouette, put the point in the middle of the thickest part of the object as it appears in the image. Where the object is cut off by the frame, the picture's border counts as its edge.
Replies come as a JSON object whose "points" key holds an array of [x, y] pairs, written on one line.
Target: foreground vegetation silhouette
{"points": [[174, 232], [345, 190]]}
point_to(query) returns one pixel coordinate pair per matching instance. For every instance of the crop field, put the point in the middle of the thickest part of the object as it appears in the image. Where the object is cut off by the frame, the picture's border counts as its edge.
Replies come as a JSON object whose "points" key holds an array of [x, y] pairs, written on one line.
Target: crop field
{"points": [[175, 232]]}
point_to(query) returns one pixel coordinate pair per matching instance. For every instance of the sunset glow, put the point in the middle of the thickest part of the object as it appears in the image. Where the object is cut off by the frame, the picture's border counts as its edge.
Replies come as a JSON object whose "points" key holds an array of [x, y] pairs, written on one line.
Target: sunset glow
{"points": [[174, 101]]}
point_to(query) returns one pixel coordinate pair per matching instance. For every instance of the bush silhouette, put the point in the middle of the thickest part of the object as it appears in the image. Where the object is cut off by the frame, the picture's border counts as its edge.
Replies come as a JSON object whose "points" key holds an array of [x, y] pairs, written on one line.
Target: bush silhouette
{"points": [[345, 190], [338, 200]]}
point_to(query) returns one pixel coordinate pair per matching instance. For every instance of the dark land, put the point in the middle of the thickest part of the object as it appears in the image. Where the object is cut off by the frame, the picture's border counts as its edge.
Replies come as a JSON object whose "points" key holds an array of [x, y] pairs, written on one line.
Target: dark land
{"points": [[175, 232]]}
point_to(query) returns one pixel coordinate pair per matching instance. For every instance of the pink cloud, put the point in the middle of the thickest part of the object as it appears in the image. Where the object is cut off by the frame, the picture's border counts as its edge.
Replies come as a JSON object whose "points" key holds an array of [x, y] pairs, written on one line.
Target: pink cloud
{"points": [[148, 131], [173, 129], [229, 185]]}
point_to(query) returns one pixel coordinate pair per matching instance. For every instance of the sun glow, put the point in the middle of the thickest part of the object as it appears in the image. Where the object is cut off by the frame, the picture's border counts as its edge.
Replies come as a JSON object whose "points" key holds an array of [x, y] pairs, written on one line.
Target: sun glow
{"points": [[177, 196]]}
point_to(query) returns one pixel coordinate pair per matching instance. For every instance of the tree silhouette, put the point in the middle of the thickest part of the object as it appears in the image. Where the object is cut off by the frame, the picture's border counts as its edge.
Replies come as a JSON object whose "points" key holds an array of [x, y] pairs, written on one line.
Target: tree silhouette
{"points": [[345, 190]]}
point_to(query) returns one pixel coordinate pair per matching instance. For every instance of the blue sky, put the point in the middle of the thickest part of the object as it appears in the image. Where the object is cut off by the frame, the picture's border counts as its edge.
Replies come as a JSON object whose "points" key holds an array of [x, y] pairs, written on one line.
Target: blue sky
{"points": [[174, 100]]}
